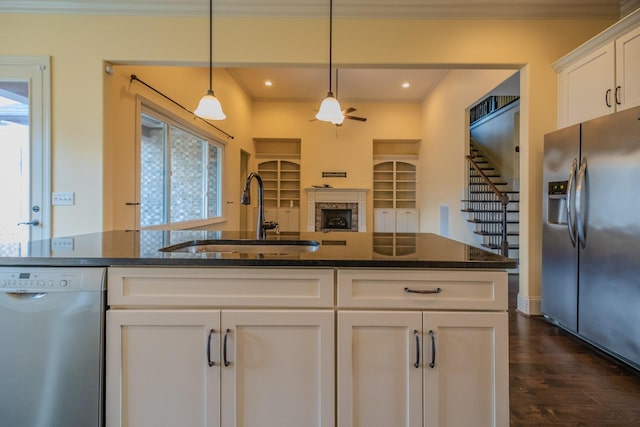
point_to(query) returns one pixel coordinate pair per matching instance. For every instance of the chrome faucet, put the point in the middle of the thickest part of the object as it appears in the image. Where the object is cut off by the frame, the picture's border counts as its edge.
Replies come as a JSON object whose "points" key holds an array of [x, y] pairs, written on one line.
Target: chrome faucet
{"points": [[245, 199]]}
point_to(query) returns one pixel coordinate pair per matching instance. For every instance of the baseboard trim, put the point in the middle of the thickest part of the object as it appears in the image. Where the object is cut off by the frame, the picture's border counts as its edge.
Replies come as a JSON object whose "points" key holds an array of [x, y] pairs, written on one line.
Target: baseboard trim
{"points": [[530, 306]]}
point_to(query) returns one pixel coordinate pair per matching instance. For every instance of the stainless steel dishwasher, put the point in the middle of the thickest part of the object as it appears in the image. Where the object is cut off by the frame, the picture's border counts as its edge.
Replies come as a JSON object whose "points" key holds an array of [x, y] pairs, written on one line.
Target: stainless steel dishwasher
{"points": [[52, 346]]}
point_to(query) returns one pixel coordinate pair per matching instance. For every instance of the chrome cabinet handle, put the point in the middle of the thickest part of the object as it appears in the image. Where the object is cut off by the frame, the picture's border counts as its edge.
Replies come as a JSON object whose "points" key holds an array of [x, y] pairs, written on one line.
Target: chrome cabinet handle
{"points": [[617, 96], [581, 199], [607, 98], [433, 349], [418, 291], [224, 348], [571, 225], [211, 362], [417, 364]]}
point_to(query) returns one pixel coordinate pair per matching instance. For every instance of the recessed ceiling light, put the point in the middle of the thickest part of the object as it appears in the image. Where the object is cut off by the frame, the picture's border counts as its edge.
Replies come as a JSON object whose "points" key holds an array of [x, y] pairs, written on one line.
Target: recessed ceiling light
{"points": [[406, 85], [268, 83]]}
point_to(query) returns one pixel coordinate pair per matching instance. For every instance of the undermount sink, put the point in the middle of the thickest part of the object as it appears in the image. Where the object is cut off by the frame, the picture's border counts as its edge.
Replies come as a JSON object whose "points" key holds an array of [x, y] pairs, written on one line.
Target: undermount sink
{"points": [[271, 247]]}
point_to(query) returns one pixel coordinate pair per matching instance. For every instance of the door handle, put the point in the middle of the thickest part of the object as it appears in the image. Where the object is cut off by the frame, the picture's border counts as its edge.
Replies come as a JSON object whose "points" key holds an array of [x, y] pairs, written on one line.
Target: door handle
{"points": [[433, 349], [581, 200], [417, 364], [607, 98], [570, 198], [224, 348], [210, 362], [32, 222]]}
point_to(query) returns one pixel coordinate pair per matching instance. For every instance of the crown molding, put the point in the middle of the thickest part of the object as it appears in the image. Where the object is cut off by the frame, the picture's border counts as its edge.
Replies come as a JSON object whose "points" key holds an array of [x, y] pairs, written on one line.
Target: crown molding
{"points": [[410, 9]]}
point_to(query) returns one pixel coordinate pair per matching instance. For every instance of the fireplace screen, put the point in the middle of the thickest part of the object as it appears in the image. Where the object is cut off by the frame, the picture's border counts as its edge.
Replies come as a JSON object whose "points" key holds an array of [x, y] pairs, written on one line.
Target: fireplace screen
{"points": [[336, 219]]}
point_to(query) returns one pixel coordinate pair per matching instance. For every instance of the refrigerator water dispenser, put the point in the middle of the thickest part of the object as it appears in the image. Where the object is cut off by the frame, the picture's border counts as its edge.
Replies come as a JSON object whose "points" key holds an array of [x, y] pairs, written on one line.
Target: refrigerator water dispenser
{"points": [[557, 206]]}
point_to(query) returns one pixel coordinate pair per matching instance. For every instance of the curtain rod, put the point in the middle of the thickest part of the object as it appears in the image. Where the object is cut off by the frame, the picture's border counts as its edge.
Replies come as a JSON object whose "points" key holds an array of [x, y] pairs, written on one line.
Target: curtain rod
{"points": [[134, 77]]}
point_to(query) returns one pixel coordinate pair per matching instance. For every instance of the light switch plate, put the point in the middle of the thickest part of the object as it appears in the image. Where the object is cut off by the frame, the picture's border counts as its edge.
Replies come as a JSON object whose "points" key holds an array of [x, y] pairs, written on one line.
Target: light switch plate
{"points": [[62, 243], [59, 198]]}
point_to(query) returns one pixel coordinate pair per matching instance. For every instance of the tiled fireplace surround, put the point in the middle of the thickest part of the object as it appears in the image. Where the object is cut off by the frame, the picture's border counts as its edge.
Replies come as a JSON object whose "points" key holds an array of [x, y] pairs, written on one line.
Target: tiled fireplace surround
{"points": [[353, 199]]}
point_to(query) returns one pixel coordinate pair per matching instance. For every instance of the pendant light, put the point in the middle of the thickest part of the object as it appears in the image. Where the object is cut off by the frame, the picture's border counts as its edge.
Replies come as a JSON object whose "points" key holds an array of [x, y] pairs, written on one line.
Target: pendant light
{"points": [[209, 106], [330, 110]]}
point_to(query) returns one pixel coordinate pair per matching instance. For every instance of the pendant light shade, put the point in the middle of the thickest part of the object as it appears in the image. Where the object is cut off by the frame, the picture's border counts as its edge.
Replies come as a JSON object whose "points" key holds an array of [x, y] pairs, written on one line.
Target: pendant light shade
{"points": [[209, 106], [330, 110]]}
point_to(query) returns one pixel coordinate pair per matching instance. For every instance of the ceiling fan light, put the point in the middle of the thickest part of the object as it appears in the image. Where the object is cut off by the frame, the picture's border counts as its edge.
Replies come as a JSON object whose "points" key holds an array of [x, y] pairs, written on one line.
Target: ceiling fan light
{"points": [[330, 110], [210, 108]]}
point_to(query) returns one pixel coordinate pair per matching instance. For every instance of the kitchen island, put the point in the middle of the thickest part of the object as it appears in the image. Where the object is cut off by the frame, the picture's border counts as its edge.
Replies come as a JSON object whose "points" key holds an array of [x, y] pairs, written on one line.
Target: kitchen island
{"points": [[369, 329]]}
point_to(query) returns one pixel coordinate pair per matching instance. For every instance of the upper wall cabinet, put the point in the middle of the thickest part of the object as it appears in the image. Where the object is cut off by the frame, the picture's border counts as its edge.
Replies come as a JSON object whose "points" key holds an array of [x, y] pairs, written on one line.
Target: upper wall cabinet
{"points": [[602, 76]]}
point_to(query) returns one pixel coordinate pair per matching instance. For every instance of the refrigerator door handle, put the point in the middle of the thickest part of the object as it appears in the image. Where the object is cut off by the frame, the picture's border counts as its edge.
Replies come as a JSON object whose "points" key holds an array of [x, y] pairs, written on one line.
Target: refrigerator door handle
{"points": [[571, 223], [581, 202]]}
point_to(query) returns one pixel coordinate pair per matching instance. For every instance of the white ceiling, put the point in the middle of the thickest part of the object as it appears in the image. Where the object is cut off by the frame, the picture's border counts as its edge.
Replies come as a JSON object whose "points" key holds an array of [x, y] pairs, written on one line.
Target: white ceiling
{"points": [[355, 85]]}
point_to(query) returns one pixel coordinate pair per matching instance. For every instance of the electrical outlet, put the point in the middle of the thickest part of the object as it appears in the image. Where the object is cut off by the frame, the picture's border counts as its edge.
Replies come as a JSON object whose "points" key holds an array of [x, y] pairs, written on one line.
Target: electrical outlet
{"points": [[63, 198], [62, 243]]}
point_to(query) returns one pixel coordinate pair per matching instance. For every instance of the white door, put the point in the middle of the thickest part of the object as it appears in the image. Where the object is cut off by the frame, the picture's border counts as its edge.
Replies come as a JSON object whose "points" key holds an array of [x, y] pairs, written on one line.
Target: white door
{"points": [[279, 368], [466, 369], [379, 369], [158, 368], [628, 70], [24, 151]]}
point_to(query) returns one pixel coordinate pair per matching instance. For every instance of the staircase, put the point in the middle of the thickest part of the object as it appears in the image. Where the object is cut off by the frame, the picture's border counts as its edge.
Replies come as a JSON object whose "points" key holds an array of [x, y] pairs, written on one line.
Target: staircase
{"points": [[485, 210]]}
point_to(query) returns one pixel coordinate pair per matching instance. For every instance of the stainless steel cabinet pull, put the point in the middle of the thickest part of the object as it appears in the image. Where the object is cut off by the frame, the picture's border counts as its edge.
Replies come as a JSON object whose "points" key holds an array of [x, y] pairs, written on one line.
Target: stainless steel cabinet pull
{"points": [[418, 291], [617, 97], [417, 364], [607, 98], [211, 362], [433, 349], [224, 348]]}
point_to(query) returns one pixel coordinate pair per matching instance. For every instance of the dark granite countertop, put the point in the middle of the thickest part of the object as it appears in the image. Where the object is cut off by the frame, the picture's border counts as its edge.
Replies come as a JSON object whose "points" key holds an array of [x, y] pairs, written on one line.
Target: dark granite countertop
{"points": [[337, 249]]}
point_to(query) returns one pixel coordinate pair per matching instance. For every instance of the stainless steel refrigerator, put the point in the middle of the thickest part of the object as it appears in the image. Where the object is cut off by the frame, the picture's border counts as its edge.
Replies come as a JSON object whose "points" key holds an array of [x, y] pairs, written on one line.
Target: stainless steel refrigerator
{"points": [[591, 232]]}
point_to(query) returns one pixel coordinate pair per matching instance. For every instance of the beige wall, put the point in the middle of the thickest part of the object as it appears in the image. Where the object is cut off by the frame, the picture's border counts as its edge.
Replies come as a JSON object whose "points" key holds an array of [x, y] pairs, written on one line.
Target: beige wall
{"points": [[78, 46]]}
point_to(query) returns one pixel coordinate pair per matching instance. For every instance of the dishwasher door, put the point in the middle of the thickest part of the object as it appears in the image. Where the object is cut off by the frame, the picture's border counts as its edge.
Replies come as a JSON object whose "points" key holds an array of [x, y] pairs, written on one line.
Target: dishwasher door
{"points": [[51, 347]]}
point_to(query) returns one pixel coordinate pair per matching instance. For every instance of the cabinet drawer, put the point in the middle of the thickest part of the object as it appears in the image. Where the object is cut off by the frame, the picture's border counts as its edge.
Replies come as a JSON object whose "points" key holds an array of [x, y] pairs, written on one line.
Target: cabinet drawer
{"points": [[458, 290], [220, 287]]}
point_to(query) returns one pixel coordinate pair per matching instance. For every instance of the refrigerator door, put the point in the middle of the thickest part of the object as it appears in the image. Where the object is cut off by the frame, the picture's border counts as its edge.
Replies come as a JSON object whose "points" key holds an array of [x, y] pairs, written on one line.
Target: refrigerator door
{"points": [[609, 280], [559, 249]]}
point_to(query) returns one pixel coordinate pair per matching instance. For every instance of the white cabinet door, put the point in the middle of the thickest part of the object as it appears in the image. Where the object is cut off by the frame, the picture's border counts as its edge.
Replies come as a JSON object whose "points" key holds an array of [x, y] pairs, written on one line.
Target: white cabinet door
{"points": [[587, 87], [406, 220], [289, 219], [379, 383], [158, 371], [628, 70], [468, 383], [280, 369], [384, 220]]}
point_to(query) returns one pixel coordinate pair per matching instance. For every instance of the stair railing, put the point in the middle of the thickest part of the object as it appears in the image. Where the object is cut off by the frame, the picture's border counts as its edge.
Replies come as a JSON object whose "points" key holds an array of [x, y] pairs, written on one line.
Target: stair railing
{"points": [[504, 201]]}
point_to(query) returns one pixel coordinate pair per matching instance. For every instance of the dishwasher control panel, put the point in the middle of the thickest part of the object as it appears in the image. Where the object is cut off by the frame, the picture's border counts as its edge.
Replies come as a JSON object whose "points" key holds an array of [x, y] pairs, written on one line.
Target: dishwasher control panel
{"points": [[15, 279]]}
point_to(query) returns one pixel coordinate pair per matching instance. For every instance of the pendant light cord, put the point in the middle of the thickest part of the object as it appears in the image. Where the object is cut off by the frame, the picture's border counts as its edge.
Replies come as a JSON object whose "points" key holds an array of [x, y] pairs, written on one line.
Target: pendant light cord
{"points": [[211, 45], [330, 39]]}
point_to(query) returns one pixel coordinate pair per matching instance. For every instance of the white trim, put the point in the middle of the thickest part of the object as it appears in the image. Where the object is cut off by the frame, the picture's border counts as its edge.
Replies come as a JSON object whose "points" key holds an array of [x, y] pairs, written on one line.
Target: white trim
{"points": [[40, 134], [531, 306]]}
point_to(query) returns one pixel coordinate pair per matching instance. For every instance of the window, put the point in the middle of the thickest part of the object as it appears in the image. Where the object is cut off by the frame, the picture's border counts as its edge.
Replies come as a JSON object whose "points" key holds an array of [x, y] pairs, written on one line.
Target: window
{"points": [[180, 173]]}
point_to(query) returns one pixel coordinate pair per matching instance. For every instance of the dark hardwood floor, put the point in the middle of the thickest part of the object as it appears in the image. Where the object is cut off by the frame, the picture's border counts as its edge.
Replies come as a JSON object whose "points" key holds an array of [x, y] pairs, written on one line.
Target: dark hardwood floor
{"points": [[556, 379]]}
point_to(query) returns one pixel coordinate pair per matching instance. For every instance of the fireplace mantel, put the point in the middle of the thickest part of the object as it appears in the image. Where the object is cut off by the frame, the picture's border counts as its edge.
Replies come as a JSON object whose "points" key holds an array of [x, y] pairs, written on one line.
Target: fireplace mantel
{"points": [[336, 195]]}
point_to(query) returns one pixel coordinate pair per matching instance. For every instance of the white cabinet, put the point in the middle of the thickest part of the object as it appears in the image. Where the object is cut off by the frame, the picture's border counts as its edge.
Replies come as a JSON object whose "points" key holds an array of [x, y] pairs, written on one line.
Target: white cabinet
{"points": [[602, 76], [288, 219], [157, 368], [407, 221], [170, 362], [422, 345], [384, 220]]}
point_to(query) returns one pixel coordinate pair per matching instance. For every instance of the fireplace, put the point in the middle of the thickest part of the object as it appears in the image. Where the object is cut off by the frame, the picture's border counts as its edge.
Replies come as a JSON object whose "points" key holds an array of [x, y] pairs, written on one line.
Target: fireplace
{"points": [[336, 217], [336, 209]]}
